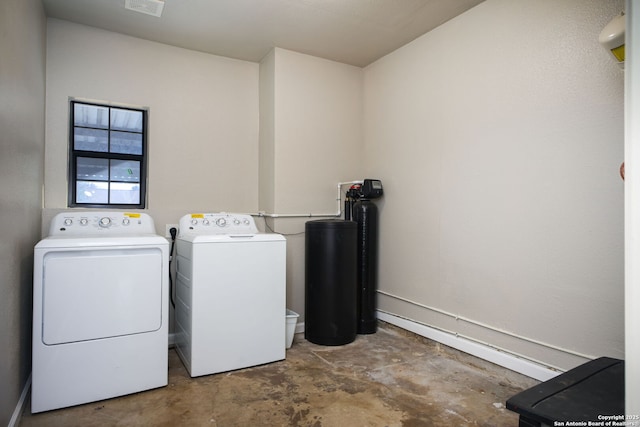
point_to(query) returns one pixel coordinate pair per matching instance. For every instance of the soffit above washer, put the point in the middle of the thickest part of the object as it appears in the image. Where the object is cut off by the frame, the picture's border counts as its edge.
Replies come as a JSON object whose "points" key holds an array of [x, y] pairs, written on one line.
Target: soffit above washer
{"points": [[356, 32]]}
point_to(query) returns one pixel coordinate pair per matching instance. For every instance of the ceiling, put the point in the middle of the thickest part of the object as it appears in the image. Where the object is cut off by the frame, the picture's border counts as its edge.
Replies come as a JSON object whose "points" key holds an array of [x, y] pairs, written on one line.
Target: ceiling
{"points": [[356, 32]]}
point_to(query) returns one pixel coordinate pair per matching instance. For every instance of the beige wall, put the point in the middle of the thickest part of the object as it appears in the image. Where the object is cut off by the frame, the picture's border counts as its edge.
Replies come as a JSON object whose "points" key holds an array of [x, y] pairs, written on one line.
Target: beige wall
{"points": [[203, 117], [22, 92], [318, 130], [498, 137], [266, 195], [311, 139]]}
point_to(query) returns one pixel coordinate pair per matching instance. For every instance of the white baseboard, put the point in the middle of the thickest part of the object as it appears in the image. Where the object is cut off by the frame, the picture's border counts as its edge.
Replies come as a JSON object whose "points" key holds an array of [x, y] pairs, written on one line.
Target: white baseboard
{"points": [[17, 413], [489, 354]]}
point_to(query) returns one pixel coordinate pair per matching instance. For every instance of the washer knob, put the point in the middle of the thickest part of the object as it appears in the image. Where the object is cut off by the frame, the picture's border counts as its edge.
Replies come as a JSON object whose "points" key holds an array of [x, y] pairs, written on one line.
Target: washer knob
{"points": [[236, 221], [105, 222], [194, 221], [84, 221], [246, 222], [205, 222], [221, 222], [125, 221], [68, 221]]}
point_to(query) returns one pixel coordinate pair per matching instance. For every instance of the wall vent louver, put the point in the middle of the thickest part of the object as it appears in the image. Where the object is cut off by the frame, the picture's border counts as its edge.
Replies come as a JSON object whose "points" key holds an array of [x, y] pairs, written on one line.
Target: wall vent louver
{"points": [[150, 7]]}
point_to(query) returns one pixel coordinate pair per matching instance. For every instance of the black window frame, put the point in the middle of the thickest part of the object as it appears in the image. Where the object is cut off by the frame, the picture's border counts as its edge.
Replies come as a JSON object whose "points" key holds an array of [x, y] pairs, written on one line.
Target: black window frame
{"points": [[75, 153]]}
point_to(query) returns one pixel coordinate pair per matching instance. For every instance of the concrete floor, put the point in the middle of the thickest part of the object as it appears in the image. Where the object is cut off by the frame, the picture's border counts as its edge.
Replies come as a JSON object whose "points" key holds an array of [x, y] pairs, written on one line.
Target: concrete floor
{"points": [[391, 378]]}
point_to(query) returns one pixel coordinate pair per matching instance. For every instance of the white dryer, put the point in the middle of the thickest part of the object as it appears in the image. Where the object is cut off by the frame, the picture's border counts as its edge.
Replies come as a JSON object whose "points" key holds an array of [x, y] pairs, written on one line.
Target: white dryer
{"points": [[230, 294], [100, 309]]}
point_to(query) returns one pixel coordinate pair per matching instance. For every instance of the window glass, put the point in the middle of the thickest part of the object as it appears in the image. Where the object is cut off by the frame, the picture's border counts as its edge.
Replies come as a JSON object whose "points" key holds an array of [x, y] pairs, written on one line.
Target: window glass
{"points": [[91, 192], [125, 193], [89, 168], [125, 142], [91, 139], [125, 170], [93, 116], [128, 120], [107, 156]]}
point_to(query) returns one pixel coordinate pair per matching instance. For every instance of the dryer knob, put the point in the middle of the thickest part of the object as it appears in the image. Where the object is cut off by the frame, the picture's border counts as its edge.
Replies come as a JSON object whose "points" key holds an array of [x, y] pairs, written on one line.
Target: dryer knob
{"points": [[68, 221], [194, 221], [105, 221], [84, 221], [205, 222], [236, 221], [221, 222], [125, 221]]}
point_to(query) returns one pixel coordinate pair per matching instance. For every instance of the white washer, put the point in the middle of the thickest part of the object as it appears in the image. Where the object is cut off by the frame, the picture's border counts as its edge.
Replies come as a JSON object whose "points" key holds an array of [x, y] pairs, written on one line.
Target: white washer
{"points": [[100, 311], [230, 294]]}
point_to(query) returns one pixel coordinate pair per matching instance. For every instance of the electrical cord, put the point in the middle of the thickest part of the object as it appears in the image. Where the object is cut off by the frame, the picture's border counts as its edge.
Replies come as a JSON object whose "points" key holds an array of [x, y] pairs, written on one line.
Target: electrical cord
{"points": [[173, 231]]}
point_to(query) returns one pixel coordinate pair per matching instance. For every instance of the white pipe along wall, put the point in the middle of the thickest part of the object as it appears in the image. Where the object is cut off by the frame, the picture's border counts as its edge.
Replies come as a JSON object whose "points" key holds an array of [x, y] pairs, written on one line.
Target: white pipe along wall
{"points": [[310, 215]]}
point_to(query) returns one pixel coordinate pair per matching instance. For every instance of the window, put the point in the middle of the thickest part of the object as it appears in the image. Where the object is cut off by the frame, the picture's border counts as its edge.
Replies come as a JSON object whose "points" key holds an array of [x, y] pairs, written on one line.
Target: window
{"points": [[107, 156]]}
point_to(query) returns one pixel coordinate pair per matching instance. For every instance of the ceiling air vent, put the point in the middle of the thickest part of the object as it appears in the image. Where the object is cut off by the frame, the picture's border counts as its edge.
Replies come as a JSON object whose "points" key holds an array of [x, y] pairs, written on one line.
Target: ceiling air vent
{"points": [[150, 7]]}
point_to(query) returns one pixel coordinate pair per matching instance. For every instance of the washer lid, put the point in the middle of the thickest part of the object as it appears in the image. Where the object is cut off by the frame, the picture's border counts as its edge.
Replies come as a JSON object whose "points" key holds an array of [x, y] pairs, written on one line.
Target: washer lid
{"points": [[231, 238]]}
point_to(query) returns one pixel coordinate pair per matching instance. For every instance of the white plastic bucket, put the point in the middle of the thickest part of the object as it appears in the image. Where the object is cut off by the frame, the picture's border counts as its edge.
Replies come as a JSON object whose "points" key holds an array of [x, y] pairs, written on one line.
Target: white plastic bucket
{"points": [[292, 320]]}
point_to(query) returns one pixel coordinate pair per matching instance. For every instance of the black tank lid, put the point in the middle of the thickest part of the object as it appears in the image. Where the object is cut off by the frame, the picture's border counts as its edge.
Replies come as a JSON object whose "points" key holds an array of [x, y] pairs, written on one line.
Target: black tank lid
{"points": [[330, 224]]}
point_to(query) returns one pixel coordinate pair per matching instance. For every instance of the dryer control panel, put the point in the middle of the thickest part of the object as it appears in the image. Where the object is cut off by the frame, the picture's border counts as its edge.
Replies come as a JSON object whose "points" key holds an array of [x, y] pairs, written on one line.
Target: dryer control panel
{"points": [[217, 223], [101, 223]]}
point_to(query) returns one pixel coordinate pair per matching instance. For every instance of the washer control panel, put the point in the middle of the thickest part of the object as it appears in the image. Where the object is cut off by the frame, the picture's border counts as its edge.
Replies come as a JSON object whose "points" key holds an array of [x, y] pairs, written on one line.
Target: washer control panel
{"points": [[217, 223], [101, 223]]}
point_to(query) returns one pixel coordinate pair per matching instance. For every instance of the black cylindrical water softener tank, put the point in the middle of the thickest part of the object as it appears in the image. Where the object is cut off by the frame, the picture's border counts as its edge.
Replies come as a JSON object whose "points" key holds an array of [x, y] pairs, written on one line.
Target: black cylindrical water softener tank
{"points": [[330, 282], [365, 213]]}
